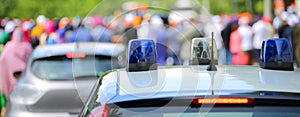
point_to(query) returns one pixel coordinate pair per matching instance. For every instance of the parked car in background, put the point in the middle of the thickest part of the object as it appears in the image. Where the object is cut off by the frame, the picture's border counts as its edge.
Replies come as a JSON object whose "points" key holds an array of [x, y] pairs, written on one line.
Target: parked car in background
{"points": [[59, 78]]}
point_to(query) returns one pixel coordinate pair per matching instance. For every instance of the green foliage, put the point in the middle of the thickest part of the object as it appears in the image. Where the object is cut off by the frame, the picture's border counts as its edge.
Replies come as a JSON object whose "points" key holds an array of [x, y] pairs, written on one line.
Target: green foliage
{"points": [[227, 7], [259, 7], [70, 8], [6, 6], [108, 6], [50, 8], [217, 8]]}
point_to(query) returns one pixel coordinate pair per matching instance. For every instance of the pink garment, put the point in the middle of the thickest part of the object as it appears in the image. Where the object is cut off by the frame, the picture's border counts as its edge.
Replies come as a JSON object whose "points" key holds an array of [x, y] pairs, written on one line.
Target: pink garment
{"points": [[27, 36], [50, 27], [235, 44], [240, 58], [97, 20], [26, 29], [14, 57]]}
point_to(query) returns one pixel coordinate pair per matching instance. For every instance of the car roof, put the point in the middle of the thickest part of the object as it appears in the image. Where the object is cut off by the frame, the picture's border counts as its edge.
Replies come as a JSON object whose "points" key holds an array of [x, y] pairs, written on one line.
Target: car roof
{"points": [[90, 48], [180, 81]]}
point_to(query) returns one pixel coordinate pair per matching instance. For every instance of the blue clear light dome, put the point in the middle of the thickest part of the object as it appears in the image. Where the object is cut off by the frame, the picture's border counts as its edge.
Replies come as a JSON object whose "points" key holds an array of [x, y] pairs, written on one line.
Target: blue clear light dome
{"points": [[142, 51], [277, 50]]}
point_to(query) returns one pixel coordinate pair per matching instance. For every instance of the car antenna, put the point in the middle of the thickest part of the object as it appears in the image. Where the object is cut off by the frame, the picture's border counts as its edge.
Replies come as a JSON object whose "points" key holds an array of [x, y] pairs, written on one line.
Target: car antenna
{"points": [[212, 66]]}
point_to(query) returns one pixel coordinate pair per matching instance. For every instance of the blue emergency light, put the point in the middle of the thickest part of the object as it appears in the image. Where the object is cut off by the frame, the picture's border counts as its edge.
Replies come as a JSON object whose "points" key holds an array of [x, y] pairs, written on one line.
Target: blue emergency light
{"points": [[141, 55], [277, 54]]}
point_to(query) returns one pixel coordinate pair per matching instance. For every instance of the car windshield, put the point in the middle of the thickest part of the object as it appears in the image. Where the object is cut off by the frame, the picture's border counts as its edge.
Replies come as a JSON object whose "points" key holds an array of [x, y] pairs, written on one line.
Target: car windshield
{"points": [[63, 68]]}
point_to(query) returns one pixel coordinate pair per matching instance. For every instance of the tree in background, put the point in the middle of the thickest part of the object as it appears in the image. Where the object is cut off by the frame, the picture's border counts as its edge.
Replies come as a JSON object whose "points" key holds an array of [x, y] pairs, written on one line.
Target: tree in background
{"points": [[70, 8], [235, 6]]}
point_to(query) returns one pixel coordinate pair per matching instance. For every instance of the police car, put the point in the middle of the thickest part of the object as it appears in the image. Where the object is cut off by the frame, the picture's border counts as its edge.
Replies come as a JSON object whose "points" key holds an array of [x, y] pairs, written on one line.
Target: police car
{"points": [[200, 89]]}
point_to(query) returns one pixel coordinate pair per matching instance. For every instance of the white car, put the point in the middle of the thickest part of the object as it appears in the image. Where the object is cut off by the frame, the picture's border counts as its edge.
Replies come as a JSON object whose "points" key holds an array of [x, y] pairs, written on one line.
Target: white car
{"points": [[59, 78], [198, 90], [193, 91]]}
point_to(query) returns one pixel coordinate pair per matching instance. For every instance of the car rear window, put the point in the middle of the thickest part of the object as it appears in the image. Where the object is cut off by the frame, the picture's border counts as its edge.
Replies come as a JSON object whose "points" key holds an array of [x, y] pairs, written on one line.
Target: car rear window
{"points": [[63, 68]]}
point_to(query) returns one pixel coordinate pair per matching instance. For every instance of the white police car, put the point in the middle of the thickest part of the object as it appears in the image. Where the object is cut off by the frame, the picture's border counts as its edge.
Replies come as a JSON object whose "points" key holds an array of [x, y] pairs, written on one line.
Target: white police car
{"points": [[143, 89]]}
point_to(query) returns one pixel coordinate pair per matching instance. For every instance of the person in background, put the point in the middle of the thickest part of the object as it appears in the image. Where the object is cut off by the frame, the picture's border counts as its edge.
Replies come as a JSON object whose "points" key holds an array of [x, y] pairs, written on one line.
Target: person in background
{"points": [[37, 31], [115, 24], [296, 43], [270, 28], [225, 33], [82, 34], [61, 31], [1, 48], [215, 26], [160, 38], [68, 36], [100, 33], [277, 21], [26, 29], [145, 29], [1, 32], [69, 32], [3, 102], [174, 44], [6, 33], [52, 39], [9, 28], [13, 59], [239, 57], [75, 22], [286, 29], [50, 27], [130, 32], [260, 32], [246, 32]]}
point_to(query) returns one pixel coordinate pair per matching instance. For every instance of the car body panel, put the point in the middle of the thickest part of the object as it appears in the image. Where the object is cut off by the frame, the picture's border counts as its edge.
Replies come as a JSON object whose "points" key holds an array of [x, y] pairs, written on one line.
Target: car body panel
{"points": [[195, 80]]}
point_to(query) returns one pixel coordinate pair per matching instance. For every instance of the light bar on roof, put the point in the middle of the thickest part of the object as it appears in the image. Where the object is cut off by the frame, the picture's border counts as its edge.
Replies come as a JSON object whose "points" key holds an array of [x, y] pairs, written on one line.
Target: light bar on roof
{"points": [[141, 55], [276, 54]]}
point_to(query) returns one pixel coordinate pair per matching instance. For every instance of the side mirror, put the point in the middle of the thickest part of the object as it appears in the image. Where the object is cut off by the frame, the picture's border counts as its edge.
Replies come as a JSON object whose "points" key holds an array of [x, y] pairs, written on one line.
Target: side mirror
{"points": [[17, 74]]}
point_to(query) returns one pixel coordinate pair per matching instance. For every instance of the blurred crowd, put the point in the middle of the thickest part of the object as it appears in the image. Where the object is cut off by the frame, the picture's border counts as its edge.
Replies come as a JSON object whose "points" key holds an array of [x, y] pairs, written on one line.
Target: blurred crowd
{"points": [[243, 36], [238, 37]]}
